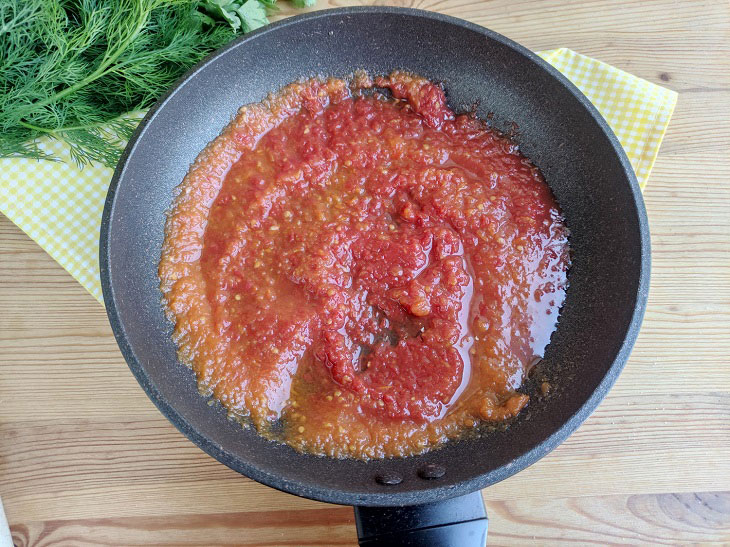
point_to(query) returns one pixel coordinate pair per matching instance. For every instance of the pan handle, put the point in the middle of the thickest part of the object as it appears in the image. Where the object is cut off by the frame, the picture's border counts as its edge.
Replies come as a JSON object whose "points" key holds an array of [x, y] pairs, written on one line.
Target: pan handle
{"points": [[456, 522]]}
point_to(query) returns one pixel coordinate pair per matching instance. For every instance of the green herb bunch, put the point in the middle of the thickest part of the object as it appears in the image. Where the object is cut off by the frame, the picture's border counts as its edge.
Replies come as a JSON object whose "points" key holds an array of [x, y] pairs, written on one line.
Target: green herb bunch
{"points": [[73, 69]]}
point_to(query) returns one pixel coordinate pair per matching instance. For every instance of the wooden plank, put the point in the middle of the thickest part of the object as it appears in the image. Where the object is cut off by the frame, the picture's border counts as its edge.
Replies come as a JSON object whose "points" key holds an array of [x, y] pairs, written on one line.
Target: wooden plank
{"points": [[603, 520]]}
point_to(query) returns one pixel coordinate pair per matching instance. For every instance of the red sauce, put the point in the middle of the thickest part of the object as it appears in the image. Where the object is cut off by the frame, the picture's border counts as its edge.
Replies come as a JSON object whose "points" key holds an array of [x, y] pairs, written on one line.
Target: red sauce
{"points": [[362, 276]]}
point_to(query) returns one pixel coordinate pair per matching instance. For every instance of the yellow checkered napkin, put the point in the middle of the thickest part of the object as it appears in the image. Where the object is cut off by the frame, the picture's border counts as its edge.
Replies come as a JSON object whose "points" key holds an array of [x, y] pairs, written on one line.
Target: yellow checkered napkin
{"points": [[638, 111], [60, 206]]}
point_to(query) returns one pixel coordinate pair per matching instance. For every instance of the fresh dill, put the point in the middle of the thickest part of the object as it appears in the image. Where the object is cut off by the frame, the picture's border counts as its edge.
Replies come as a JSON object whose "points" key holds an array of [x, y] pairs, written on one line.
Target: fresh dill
{"points": [[73, 69]]}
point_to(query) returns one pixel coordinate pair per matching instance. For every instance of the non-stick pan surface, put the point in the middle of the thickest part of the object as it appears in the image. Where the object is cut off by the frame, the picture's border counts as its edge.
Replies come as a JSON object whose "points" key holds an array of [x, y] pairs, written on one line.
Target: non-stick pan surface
{"points": [[556, 127]]}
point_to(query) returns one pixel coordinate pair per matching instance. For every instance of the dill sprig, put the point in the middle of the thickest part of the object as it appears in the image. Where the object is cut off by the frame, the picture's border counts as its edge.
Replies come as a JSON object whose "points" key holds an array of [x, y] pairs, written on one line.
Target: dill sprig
{"points": [[72, 69]]}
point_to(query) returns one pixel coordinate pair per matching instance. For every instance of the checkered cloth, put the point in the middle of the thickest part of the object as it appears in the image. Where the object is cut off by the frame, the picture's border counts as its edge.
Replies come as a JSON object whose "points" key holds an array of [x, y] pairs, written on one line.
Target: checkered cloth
{"points": [[59, 205]]}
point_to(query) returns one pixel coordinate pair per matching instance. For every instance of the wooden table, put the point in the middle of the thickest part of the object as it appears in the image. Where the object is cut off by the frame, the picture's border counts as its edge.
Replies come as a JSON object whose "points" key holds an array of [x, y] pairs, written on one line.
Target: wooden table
{"points": [[86, 459]]}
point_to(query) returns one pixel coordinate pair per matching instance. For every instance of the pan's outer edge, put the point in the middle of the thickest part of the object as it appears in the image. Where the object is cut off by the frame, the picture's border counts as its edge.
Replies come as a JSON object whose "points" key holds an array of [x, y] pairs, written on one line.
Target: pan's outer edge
{"points": [[314, 491]]}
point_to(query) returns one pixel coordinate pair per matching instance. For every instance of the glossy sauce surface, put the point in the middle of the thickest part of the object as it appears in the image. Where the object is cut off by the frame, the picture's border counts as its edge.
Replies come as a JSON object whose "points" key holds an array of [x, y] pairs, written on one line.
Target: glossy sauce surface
{"points": [[362, 276]]}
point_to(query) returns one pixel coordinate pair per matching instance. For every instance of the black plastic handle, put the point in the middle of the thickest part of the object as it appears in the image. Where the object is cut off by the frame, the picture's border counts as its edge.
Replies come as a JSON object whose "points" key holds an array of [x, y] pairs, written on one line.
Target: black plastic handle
{"points": [[457, 522]]}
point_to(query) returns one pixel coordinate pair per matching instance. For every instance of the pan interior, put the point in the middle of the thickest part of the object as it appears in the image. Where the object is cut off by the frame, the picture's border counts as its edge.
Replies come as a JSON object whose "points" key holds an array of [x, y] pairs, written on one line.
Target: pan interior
{"points": [[557, 130]]}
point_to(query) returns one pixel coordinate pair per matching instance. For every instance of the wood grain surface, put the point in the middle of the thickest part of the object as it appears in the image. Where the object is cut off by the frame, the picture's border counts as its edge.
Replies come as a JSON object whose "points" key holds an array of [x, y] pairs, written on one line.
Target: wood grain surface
{"points": [[86, 459]]}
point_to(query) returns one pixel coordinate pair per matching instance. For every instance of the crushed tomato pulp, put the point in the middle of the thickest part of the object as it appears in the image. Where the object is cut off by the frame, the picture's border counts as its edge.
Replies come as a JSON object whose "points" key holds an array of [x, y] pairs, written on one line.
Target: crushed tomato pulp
{"points": [[362, 275]]}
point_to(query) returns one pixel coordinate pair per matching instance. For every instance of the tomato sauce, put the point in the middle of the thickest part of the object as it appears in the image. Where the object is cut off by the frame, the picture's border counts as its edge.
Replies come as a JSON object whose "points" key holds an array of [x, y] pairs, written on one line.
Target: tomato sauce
{"points": [[360, 274]]}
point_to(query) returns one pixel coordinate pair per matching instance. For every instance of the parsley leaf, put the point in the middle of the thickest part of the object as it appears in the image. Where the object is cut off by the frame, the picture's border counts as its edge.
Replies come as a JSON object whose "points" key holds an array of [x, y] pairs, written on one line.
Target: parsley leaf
{"points": [[253, 15], [242, 15]]}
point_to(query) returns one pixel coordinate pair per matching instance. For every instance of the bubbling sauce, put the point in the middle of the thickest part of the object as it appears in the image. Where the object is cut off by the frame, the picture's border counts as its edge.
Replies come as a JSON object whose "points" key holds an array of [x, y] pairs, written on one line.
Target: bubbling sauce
{"points": [[363, 276]]}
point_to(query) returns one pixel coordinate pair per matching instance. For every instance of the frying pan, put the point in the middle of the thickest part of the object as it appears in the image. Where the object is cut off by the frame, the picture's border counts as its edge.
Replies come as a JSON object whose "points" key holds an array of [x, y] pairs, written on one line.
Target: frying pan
{"points": [[432, 498]]}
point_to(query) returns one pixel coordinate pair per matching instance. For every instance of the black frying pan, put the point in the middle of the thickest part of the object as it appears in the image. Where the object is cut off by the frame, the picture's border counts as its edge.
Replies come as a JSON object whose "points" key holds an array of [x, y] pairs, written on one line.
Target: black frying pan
{"points": [[557, 128]]}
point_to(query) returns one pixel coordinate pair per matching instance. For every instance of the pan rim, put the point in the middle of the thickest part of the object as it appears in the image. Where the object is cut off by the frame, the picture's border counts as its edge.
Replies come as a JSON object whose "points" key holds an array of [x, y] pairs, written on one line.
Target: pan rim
{"points": [[313, 490]]}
